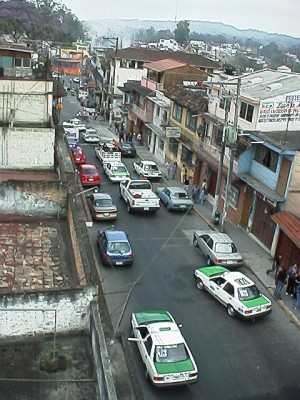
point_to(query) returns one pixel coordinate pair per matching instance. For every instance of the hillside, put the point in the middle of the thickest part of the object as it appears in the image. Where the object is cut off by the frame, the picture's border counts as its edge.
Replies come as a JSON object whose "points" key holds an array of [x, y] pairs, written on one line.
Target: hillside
{"points": [[126, 28]]}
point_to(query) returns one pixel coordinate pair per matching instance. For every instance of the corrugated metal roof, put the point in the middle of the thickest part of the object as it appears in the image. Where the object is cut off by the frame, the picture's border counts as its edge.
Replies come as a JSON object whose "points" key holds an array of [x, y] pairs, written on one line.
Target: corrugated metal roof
{"points": [[164, 65], [289, 224]]}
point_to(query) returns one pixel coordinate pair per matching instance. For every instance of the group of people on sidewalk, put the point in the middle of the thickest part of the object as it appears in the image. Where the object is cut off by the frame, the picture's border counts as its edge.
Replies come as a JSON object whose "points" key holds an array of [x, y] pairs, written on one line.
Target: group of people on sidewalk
{"points": [[289, 277]]}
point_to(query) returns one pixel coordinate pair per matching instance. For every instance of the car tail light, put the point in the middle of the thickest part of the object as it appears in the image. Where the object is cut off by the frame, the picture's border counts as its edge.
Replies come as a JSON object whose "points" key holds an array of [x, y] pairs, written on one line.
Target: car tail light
{"points": [[193, 375], [137, 196], [248, 311], [105, 255], [113, 176], [131, 254], [133, 202], [158, 378], [218, 260], [269, 306]]}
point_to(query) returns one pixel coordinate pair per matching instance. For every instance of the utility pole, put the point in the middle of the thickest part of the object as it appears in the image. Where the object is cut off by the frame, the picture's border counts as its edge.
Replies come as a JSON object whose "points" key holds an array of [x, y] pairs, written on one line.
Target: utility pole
{"points": [[113, 86], [231, 160]]}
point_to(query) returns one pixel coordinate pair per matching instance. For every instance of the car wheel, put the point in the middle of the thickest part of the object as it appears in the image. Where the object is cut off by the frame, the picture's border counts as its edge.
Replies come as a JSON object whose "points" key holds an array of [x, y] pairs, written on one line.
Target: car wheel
{"points": [[129, 209], [231, 311], [199, 284], [147, 375], [209, 261], [195, 242]]}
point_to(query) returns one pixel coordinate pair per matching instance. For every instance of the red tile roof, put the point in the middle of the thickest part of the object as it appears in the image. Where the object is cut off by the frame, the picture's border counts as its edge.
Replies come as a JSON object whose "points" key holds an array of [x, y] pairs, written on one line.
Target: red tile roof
{"points": [[164, 65], [289, 224]]}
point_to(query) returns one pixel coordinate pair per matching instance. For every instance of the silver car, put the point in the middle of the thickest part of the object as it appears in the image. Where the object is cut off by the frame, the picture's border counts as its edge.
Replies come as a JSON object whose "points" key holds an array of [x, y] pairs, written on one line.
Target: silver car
{"points": [[175, 198], [218, 248], [102, 207]]}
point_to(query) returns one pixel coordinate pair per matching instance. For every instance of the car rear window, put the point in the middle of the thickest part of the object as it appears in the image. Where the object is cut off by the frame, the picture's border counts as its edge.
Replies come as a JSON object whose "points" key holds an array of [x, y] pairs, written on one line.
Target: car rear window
{"points": [[118, 247], [248, 293], [225, 248], [89, 171], [170, 353], [104, 203], [181, 196]]}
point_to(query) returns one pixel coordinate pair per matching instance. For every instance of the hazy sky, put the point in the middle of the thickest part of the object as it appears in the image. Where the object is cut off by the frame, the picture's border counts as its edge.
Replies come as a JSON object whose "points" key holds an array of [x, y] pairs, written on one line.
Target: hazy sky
{"points": [[273, 16]]}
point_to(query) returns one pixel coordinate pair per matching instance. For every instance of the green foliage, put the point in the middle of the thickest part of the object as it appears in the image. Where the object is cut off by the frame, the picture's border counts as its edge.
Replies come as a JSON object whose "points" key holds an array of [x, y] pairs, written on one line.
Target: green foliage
{"points": [[151, 35], [182, 32]]}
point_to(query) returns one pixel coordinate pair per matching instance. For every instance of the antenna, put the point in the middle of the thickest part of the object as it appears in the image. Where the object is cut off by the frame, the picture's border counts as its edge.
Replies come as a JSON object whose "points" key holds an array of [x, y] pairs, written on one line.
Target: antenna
{"points": [[176, 9]]}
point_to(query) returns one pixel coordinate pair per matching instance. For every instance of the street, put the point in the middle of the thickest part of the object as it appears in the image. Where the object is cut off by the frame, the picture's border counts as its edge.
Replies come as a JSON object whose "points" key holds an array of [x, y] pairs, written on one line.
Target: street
{"points": [[236, 359]]}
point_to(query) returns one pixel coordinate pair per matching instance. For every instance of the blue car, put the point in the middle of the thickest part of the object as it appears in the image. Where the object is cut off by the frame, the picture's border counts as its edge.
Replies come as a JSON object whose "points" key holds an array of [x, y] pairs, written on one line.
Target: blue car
{"points": [[175, 198], [115, 248]]}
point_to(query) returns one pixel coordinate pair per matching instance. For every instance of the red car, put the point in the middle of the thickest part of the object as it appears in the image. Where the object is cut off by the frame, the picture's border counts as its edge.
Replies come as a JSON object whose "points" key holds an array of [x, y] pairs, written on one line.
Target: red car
{"points": [[78, 155], [89, 175]]}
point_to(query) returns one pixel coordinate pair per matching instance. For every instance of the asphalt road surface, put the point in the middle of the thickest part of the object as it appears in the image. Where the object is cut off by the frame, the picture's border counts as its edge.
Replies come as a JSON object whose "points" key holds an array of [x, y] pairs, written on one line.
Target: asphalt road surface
{"points": [[237, 360]]}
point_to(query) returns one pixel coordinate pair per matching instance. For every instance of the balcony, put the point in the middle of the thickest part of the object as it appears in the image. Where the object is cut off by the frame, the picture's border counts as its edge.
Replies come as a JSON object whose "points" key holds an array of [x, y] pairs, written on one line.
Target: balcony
{"points": [[150, 84], [144, 115]]}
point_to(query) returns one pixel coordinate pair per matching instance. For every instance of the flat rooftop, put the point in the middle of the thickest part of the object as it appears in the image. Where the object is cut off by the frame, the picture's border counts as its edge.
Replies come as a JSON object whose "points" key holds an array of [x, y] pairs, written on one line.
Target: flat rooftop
{"points": [[35, 256]]}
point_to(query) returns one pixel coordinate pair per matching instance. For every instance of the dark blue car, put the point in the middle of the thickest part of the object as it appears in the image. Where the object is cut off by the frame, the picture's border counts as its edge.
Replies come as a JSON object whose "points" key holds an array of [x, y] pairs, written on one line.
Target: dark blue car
{"points": [[115, 248]]}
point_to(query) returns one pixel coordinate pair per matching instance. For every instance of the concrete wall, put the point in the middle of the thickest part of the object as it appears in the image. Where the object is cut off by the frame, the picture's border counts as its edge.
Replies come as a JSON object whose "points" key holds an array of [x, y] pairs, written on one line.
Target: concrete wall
{"points": [[33, 314], [27, 148], [293, 196]]}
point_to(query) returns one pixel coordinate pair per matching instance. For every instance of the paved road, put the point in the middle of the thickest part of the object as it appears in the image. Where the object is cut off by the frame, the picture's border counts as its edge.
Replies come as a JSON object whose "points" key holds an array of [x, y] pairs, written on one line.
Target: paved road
{"points": [[236, 359]]}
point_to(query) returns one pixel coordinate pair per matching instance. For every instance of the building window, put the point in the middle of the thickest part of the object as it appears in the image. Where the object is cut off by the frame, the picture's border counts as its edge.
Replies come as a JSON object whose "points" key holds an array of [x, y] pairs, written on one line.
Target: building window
{"points": [[161, 144], [177, 112], [186, 155], [173, 146], [266, 157], [123, 63], [26, 62], [246, 111], [18, 62], [233, 195], [191, 122], [225, 103], [157, 111], [140, 64], [6, 62], [131, 64]]}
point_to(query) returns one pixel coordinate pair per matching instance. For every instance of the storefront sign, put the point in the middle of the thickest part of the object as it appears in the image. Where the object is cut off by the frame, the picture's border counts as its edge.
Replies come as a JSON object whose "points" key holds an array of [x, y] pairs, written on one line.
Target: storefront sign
{"points": [[173, 132]]}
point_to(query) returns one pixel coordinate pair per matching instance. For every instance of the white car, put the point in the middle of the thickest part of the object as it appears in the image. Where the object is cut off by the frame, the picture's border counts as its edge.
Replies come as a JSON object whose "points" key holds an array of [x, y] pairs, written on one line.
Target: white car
{"points": [[234, 290], [76, 79], [163, 350], [116, 171], [147, 169], [90, 136], [78, 124]]}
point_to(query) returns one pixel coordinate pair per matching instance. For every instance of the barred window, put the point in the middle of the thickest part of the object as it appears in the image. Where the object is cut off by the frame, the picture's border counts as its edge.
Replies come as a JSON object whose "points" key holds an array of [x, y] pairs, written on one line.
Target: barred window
{"points": [[234, 194]]}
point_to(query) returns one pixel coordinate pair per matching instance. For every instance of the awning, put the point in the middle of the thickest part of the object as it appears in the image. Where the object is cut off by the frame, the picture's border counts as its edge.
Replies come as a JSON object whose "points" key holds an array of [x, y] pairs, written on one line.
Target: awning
{"points": [[289, 224], [261, 188], [156, 130]]}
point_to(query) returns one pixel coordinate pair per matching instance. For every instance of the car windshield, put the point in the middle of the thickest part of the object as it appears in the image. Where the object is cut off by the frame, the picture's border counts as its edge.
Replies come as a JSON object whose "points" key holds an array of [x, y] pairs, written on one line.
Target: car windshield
{"points": [[140, 185], [180, 196], [92, 134], [118, 247], [104, 203], [225, 248], [77, 151], [119, 169], [127, 146], [248, 293], [170, 353]]}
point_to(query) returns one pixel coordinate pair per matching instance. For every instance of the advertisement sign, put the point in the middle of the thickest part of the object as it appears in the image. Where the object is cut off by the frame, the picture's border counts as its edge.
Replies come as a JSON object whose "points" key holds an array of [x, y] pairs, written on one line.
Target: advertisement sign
{"points": [[173, 132]]}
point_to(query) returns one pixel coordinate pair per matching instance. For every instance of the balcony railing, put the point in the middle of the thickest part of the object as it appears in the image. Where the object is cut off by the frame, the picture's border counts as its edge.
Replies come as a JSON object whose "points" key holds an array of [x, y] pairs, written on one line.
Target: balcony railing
{"points": [[144, 115]]}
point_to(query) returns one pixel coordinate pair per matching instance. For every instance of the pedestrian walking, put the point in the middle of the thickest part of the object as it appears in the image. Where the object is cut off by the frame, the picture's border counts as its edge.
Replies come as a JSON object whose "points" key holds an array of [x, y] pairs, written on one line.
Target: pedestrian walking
{"points": [[275, 265], [130, 136], [195, 193], [139, 138], [107, 114], [127, 136], [297, 293], [292, 273], [174, 169], [117, 127], [168, 168], [102, 113], [280, 282], [121, 133], [183, 174], [186, 183]]}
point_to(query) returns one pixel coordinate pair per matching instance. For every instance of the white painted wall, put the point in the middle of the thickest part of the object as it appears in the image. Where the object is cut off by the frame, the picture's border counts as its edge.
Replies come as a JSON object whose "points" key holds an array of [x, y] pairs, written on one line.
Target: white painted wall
{"points": [[27, 148], [122, 75], [34, 313]]}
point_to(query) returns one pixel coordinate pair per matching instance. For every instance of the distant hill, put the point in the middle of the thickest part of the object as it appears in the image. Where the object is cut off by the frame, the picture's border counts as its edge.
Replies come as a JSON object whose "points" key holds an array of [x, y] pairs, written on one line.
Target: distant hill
{"points": [[126, 28]]}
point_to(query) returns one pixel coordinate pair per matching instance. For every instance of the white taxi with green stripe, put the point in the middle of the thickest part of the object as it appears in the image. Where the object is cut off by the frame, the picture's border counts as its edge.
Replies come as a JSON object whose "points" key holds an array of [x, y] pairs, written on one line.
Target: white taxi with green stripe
{"points": [[116, 171], [234, 290], [166, 356]]}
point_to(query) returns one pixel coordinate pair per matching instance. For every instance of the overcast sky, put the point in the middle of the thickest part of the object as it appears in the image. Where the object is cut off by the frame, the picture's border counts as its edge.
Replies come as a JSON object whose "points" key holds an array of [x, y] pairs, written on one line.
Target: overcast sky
{"points": [[273, 16]]}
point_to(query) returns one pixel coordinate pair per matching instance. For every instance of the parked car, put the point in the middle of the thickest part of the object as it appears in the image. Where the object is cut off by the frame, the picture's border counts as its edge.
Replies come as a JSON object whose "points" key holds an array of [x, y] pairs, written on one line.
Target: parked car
{"points": [[102, 206], [78, 154], [175, 198], [115, 248], [165, 353], [147, 169], [218, 248], [89, 175], [116, 171], [127, 149], [90, 136], [76, 79], [234, 290]]}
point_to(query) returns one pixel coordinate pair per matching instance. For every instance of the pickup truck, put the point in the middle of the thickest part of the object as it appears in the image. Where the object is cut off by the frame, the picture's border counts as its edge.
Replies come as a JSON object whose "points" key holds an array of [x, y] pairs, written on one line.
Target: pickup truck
{"points": [[138, 195], [107, 156]]}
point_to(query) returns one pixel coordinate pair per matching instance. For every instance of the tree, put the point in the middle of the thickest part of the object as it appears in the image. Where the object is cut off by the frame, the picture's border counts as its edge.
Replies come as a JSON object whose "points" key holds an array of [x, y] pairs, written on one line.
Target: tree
{"points": [[182, 32]]}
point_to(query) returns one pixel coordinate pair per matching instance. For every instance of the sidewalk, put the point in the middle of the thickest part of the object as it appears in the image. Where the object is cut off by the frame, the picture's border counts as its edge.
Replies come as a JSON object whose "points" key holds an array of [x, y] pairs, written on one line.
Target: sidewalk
{"points": [[256, 258]]}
